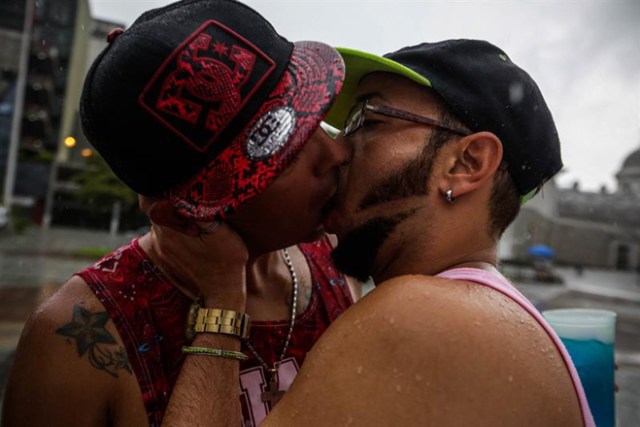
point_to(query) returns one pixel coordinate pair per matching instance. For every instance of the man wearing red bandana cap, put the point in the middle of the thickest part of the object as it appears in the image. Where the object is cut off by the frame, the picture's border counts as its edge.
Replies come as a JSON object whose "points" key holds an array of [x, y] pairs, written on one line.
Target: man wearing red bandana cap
{"points": [[214, 120]]}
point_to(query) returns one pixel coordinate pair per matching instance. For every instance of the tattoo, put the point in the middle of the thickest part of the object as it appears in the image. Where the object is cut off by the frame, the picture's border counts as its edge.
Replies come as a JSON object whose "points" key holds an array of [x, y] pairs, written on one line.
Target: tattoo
{"points": [[305, 296], [88, 329]]}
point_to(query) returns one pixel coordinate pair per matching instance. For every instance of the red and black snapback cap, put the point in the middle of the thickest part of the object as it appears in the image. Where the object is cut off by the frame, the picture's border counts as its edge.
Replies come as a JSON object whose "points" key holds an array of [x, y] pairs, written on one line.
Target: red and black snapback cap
{"points": [[202, 101], [484, 89]]}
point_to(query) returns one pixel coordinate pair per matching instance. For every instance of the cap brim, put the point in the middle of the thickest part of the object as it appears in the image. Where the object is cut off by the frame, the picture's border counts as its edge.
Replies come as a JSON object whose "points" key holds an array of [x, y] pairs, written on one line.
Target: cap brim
{"points": [[284, 123], [358, 65]]}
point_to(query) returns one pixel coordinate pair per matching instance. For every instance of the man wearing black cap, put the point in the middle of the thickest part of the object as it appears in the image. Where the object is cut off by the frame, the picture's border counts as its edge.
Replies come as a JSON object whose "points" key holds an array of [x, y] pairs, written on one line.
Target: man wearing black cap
{"points": [[447, 139], [214, 119]]}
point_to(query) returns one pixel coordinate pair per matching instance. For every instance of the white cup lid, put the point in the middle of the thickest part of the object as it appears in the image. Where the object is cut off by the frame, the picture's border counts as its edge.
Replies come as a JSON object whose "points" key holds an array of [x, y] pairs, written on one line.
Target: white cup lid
{"points": [[583, 324]]}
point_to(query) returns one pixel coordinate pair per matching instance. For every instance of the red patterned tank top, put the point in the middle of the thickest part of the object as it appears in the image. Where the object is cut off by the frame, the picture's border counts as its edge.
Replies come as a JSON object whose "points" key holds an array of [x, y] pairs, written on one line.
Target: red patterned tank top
{"points": [[150, 314]]}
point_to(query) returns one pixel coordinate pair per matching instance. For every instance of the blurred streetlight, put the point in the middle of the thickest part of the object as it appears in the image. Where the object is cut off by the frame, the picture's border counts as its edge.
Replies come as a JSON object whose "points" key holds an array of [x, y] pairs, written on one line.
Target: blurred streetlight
{"points": [[70, 142], [86, 152]]}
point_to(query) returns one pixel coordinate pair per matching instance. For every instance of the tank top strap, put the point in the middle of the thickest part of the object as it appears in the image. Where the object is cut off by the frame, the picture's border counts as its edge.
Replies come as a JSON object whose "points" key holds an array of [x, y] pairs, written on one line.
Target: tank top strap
{"points": [[149, 314], [329, 284], [499, 283]]}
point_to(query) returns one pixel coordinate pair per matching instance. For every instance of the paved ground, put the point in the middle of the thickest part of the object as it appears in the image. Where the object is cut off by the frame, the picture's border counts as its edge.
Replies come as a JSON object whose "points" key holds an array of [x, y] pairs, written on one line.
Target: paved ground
{"points": [[34, 264]]}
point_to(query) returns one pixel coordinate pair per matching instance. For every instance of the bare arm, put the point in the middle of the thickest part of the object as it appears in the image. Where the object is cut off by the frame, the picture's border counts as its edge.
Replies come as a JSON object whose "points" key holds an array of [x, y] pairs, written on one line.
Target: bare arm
{"points": [[207, 389], [416, 352], [70, 367], [212, 267]]}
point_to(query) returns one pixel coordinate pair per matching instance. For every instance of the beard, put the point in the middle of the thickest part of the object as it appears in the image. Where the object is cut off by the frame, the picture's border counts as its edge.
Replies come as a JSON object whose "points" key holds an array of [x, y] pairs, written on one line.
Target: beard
{"points": [[356, 252]]}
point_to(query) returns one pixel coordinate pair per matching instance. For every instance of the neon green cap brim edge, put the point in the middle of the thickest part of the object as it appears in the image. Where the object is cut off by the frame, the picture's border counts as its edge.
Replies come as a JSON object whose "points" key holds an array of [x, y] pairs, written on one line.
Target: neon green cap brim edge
{"points": [[359, 64]]}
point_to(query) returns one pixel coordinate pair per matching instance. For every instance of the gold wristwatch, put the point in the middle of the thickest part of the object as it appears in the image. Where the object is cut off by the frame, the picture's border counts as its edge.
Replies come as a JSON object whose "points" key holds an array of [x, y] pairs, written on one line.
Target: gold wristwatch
{"points": [[216, 320]]}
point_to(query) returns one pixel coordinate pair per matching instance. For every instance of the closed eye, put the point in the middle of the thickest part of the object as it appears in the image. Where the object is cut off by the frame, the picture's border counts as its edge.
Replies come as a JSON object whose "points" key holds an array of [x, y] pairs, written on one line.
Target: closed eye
{"points": [[371, 122]]}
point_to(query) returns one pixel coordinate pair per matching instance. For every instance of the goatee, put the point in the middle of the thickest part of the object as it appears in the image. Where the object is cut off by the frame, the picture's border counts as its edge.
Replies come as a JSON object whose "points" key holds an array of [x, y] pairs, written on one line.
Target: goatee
{"points": [[356, 252]]}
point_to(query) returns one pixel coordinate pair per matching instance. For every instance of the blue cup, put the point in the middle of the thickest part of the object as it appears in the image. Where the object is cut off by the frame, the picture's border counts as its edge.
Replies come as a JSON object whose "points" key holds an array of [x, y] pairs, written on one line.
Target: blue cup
{"points": [[589, 336]]}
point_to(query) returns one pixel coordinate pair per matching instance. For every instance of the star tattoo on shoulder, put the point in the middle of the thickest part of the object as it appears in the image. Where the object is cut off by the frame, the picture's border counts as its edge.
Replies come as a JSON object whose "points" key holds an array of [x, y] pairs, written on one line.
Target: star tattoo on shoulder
{"points": [[92, 338]]}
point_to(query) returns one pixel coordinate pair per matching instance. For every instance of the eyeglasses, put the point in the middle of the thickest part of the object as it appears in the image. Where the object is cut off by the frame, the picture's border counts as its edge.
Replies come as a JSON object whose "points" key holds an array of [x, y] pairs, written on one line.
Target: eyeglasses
{"points": [[356, 117], [329, 130]]}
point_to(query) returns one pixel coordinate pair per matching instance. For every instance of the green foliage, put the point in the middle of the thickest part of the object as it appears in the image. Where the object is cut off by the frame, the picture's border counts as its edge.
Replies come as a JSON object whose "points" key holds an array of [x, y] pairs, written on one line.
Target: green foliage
{"points": [[100, 188], [44, 156], [92, 252], [20, 222]]}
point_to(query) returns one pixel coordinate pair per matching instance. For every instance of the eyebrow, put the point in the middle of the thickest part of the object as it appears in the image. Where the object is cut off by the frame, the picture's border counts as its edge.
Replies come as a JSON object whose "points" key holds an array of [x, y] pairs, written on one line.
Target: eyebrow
{"points": [[370, 95]]}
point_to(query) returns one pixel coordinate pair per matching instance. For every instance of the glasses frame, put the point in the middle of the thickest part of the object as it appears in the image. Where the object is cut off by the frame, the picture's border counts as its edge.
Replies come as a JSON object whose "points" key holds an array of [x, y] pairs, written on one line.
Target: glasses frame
{"points": [[352, 125]]}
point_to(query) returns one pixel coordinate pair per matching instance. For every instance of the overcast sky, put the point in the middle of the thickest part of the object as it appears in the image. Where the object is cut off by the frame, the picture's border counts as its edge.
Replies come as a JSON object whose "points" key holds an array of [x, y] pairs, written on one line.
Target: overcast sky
{"points": [[584, 55]]}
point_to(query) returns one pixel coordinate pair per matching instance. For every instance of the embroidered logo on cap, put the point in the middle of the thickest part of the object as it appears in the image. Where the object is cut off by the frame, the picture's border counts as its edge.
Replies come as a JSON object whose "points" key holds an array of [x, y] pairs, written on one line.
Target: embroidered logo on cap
{"points": [[270, 133], [205, 83]]}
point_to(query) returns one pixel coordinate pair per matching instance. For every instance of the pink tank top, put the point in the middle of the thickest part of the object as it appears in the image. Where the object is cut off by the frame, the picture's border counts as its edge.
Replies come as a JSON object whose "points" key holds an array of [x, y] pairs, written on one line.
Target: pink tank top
{"points": [[501, 285]]}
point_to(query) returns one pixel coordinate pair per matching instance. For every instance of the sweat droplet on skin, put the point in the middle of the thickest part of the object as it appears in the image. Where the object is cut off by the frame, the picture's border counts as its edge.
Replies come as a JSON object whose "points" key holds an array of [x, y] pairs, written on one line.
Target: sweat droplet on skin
{"points": [[359, 370]]}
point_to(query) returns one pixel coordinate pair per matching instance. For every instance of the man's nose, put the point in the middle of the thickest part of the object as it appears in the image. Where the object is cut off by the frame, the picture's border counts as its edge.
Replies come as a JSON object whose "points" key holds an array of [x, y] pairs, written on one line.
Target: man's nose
{"points": [[336, 152]]}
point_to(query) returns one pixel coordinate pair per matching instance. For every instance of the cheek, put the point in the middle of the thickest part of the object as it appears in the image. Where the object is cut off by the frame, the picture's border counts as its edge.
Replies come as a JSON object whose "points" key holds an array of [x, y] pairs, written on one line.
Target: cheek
{"points": [[370, 167], [298, 203]]}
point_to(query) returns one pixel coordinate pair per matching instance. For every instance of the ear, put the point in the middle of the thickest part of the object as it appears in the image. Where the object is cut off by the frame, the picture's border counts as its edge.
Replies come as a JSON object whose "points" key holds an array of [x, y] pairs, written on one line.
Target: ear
{"points": [[163, 213], [472, 162]]}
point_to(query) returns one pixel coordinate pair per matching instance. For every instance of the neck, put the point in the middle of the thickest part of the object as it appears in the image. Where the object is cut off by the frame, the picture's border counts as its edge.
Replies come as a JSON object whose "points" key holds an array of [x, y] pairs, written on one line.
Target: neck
{"points": [[440, 246], [264, 271]]}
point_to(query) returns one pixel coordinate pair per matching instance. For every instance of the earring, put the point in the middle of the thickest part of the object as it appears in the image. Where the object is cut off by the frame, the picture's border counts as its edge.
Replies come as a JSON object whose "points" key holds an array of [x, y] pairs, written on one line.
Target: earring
{"points": [[448, 196]]}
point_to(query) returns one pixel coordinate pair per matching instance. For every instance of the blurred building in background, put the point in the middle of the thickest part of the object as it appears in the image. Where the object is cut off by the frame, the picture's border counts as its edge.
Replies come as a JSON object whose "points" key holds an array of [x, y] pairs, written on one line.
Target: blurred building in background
{"points": [[53, 27], [60, 42], [585, 229]]}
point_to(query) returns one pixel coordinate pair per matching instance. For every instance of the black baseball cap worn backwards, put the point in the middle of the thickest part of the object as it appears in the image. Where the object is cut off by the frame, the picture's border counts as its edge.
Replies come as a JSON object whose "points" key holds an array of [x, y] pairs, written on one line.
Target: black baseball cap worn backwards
{"points": [[202, 101], [484, 89]]}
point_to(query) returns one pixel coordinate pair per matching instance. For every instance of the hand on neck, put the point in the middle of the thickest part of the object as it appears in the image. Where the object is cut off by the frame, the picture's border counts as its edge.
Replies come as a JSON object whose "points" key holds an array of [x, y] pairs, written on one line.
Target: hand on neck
{"points": [[211, 267]]}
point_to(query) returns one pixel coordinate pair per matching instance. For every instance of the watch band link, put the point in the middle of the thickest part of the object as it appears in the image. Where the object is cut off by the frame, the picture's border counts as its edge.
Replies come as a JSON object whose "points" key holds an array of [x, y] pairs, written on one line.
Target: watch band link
{"points": [[217, 320]]}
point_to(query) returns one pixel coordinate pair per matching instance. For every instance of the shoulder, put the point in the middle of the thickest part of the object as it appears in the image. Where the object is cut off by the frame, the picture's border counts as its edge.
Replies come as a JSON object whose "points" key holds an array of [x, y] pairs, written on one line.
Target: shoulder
{"points": [[69, 356], [47, 322], [482, 336], [438, 350]]}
